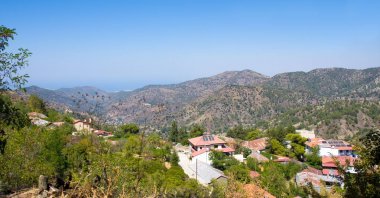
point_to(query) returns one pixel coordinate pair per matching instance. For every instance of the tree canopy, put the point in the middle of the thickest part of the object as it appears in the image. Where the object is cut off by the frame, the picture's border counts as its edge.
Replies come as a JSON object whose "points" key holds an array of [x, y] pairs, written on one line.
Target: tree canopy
{"points": [[11, 63]]}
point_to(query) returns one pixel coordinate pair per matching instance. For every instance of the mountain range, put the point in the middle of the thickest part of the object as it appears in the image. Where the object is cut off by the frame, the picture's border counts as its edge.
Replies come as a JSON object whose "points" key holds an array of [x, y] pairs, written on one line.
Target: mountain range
{"points": [[243, 97]]}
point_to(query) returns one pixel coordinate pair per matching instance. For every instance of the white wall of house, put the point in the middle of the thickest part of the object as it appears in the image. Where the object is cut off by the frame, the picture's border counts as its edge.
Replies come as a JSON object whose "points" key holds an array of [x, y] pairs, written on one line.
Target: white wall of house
{"points": [[204, 157], [328, 151], [80, 126], [215, 146]]}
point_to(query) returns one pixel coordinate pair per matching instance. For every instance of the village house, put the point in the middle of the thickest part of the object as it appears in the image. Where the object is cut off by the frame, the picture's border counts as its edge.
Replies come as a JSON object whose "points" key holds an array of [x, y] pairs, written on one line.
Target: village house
{"points": [[306, 133], [40, 122], [330, 165], [316, 179], [329, 147], [82, 126], [205, 173], [201, 147], [282, 160], [312, 143], [256, 145], [102, 133], [260, 158], [335, 148], [38, 119]]}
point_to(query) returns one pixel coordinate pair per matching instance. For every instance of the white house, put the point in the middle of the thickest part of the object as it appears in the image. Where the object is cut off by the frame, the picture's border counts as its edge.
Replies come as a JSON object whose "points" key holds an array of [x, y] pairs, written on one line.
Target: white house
{"points": [[306, 133], [335, 148], [82, 126], [201, 147]]}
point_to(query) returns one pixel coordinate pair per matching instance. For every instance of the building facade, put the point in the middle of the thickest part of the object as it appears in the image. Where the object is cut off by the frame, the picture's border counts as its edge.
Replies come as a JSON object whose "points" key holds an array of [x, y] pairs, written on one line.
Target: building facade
{"points": [[201, 147]]}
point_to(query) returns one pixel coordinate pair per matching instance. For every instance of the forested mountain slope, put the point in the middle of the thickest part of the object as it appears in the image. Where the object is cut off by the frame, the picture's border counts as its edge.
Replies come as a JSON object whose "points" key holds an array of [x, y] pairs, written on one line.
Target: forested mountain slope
{"points": [[231, 98]]}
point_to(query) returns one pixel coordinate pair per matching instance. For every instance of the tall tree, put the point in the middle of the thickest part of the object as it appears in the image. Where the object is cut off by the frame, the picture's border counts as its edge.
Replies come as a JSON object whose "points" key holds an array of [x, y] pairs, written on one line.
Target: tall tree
{"points": [[11, 63], [366, 182], [173, 133]]}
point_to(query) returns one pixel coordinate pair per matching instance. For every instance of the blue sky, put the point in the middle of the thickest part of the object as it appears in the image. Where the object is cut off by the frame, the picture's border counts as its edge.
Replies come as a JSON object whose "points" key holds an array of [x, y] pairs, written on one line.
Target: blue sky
{"points": [[123, 45]]}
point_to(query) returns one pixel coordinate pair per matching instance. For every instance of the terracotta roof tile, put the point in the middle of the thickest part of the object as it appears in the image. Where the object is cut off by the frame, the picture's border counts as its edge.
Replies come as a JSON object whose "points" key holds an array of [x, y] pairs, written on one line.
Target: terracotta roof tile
{"points": [[258, 144], [196, 153], [328, 161], [200, 141], [282, 159], [330, 172]]}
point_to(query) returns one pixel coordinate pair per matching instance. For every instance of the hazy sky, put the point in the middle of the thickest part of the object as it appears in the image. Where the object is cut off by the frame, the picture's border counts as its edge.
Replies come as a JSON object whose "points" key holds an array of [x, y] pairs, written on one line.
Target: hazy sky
{"points": [[121, 45]]}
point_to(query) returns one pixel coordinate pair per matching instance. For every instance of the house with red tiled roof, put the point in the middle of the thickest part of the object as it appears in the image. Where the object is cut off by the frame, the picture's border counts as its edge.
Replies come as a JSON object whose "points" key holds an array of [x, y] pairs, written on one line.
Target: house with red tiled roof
{"points": [[312, 143], [330, 164], [282, 159], [260, 158], [256, 145], [82, 126], [316, 180], [330, 147], [335, 148], [202, 145], [102, 133]]}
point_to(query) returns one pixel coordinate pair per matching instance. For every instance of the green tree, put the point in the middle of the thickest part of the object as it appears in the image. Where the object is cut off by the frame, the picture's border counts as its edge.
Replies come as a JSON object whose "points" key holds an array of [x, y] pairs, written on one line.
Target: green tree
{"points": [[173, 132], [277, 148], [279, 133], [237, 132], [36, 104], [366, 182], [10, 118], [240, 172], [221, 161], [196, 130], [246, 151], [273, 179], [30, 152], [313, 158], [253, 164], [254, 134], [131, 128], [10, 66], [296, 138], [127, 129], [11, 63]]}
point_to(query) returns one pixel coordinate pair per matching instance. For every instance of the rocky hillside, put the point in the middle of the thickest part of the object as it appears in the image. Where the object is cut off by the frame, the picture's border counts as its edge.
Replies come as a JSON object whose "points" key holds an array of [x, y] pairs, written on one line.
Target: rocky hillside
{"points": [[231, 98]]}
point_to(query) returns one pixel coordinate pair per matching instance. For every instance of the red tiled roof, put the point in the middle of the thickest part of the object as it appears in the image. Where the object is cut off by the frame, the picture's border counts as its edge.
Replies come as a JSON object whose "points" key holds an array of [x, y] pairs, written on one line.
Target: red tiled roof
{"points": [[345, 148], [312, 170], [199, 141], [196, 153], [77, 121], [102, 132], [259, 157], [330, 172], [331, 161], [282, 159], [224, 150], [258, 144], [313, 142]]}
